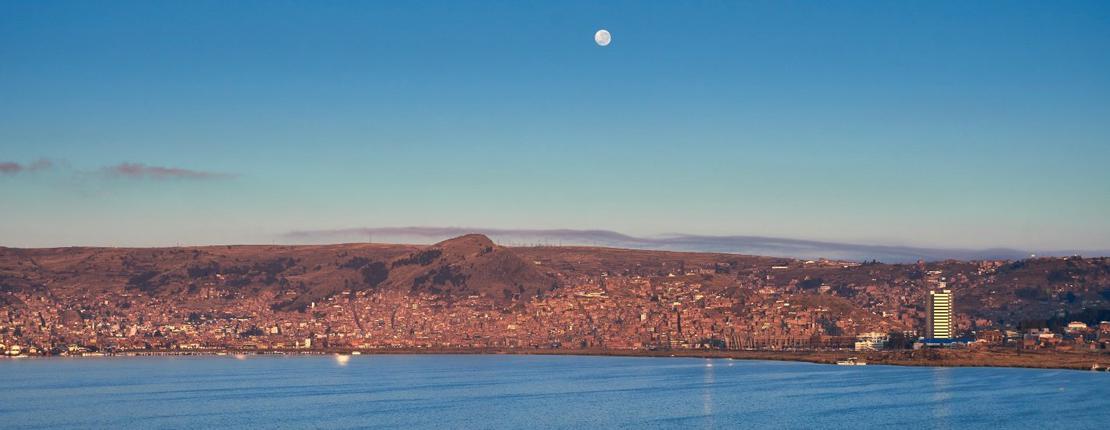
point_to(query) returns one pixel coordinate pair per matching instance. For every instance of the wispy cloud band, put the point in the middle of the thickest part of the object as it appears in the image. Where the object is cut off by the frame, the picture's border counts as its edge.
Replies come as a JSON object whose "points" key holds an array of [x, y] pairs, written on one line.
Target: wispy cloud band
{"points": [[143, 171], [11, 167], [125, 170]]}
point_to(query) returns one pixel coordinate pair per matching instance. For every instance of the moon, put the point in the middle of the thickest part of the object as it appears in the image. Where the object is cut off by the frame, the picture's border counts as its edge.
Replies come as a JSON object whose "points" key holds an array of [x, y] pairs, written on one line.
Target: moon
{"points": [[602, 37]]}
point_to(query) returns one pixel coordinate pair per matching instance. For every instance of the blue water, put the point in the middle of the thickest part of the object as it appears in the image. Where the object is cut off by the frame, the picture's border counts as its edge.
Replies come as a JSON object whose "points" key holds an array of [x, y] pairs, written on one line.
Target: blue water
{"points": [[448, 392]]}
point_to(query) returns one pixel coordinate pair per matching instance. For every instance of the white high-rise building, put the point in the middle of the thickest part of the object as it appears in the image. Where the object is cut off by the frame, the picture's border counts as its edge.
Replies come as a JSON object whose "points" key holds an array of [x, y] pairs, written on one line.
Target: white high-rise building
{"points": [[939, 324]]}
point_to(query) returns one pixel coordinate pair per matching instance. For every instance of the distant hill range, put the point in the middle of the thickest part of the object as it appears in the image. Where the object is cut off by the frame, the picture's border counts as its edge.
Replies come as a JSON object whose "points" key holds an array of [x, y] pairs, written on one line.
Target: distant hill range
{"points": [[292, 278], [749, 245]]}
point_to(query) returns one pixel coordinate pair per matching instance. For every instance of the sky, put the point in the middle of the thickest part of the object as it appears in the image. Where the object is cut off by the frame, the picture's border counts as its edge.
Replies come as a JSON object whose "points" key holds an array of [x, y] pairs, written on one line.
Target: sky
{"points": [[950, 123]]}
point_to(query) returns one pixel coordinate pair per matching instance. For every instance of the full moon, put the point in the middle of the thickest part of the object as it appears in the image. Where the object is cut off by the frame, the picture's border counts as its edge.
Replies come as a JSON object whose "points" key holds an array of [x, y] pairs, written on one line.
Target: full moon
{"points": [[602, 37]]}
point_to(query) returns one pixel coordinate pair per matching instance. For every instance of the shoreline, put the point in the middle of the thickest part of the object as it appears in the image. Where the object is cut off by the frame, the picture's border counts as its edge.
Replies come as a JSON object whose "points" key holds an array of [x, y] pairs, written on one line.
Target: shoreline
{"points": [[1011, 358]]}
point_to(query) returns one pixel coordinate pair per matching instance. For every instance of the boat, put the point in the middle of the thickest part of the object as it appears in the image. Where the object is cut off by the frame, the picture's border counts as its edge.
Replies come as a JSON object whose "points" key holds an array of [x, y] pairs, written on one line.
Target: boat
{"points": [[851, 361]]}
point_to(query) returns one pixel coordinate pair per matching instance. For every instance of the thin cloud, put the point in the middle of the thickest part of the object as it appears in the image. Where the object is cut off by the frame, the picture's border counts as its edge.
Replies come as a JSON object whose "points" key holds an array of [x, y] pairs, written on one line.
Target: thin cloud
{"points": [[143, 171], [11, 167], [40, 164], [124, 170]]}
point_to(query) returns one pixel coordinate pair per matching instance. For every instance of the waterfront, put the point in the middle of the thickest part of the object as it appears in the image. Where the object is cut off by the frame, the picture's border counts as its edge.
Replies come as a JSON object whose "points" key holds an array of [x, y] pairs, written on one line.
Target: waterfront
{"points": [[519, 391]]}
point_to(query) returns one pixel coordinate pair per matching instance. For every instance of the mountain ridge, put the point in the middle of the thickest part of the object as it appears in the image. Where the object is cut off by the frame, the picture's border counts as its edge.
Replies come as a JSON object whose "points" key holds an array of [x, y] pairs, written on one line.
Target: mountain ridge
{"points": [[733, 244]]}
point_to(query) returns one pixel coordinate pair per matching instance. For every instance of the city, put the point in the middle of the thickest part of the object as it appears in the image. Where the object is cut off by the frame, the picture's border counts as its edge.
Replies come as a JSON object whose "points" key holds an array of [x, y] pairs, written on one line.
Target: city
{"points": [[620, 300]]}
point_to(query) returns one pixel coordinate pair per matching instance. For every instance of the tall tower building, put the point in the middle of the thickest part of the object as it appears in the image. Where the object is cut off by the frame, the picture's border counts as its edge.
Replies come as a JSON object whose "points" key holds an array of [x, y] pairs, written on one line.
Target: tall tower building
{"points": [[939, 324]]}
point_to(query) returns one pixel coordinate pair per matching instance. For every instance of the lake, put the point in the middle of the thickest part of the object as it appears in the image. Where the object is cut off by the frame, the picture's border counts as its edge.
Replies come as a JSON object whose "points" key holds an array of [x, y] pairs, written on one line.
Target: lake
{"points": [[518, 391]]}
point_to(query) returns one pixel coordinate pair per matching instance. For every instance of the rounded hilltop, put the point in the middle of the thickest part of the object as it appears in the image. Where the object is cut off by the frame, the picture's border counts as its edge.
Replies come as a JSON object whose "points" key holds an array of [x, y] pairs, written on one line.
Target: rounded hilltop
{"points": [[468, 265], [467, 244]]}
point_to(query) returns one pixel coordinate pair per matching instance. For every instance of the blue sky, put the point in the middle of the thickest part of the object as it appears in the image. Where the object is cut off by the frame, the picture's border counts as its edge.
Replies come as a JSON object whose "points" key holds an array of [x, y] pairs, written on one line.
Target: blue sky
{"points": [[961, 124]]}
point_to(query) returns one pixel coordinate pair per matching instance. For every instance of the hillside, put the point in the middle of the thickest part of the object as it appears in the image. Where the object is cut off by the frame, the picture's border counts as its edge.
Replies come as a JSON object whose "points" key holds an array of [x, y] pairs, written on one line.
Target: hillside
{"points": [[468, 265], [471, 291]]}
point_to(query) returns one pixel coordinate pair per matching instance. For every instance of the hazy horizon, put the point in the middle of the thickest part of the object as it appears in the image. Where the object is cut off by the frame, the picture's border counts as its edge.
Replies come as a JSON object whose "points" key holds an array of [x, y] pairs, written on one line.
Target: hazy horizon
{"points": [[798, 248]]}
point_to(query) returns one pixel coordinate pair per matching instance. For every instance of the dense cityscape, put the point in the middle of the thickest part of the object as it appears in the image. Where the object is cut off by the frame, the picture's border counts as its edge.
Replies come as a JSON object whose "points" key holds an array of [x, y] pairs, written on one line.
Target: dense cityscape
{"points": [[467, 293]]}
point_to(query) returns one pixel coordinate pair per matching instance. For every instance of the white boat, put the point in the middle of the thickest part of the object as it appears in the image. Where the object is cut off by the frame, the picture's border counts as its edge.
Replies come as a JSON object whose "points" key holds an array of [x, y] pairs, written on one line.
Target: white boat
{"points": [[851, 361]]}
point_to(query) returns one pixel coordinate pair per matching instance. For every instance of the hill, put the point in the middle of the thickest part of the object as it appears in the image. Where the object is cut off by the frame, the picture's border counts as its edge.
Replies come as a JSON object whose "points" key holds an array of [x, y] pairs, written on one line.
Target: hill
{"points": [[472, 292]]}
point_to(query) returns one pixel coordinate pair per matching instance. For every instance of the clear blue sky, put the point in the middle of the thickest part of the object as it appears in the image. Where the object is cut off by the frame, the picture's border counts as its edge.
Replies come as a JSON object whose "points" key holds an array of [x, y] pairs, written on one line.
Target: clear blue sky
{"points": [[969, 124]]}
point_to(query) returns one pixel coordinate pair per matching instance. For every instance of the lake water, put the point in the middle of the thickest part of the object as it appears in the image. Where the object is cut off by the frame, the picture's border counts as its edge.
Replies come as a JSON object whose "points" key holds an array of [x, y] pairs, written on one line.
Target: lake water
{"points": [[448, 392]]}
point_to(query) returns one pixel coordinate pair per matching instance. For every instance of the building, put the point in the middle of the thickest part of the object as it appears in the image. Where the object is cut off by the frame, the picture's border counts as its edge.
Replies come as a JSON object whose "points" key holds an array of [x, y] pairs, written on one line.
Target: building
{"points": [[1077, 327], [991, 337], [939, 321], [871, 341]]}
